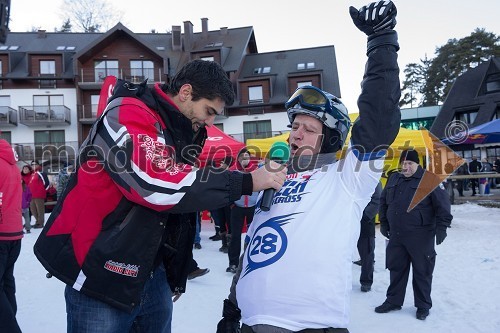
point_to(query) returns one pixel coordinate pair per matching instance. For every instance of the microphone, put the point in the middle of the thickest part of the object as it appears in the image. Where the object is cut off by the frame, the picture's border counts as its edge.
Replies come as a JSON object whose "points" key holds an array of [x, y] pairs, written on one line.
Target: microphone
{"points": [[279, 152]]}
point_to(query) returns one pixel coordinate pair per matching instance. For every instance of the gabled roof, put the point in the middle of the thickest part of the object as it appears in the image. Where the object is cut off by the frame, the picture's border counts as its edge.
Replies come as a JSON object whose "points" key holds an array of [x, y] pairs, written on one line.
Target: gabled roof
{"points": [[283, 64], [118, 30], [469, 93]]}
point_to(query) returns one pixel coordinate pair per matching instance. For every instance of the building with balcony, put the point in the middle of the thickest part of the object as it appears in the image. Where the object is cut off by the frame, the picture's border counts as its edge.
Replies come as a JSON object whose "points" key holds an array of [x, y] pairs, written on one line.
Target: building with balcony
{"points": [[50, 83]]}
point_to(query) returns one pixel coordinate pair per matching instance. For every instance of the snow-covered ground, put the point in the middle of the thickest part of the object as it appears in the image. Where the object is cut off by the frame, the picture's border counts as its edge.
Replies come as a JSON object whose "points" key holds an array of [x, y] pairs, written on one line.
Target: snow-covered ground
{"points": [[466, 286]]}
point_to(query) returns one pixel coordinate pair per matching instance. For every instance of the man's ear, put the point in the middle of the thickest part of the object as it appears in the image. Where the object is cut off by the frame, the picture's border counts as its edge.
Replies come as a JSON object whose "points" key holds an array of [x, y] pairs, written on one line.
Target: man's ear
{"points": [[185, 92]]}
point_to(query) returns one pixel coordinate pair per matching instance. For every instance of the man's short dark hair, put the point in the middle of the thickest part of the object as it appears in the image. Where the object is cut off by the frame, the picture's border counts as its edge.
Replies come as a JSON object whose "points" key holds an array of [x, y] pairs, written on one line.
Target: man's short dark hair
{"points": [[208, 79]]}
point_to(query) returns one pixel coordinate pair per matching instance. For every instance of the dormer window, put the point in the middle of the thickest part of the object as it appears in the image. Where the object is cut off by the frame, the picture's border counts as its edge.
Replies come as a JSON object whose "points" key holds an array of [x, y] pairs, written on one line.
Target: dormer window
{"points": [[493, 83], [306, 65], [262, 70]]}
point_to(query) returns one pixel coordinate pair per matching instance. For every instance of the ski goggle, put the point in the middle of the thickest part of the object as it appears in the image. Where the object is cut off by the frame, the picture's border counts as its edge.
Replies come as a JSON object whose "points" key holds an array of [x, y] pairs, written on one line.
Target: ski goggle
{"points": [[311, 98]]}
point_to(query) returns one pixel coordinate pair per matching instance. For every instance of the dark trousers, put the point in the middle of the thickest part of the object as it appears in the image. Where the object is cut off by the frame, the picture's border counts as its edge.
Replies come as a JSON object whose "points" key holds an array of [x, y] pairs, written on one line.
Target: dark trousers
{"points": [[9, 252], [473, 185], [460, 187], [415, 249], [248, 329], [366, 249], [238, 217], [222, 218]]}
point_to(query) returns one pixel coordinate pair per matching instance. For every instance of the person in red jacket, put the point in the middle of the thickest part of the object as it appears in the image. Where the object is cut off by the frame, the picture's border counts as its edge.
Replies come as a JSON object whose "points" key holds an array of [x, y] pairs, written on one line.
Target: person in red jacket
{"points": [[11, 232], [26, 173], [39, 184]]}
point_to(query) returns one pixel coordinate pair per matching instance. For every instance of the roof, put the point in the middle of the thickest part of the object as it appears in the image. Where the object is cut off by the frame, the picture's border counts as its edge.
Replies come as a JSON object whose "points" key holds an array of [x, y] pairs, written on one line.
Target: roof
{"points": [[233, 43], [284, 63]]}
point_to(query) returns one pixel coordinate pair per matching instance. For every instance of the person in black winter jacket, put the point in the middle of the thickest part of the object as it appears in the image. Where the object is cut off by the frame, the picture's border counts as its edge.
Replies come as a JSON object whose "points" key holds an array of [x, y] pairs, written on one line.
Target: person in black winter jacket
{"points": [[366, 241], [474, 167], [412, 232]]}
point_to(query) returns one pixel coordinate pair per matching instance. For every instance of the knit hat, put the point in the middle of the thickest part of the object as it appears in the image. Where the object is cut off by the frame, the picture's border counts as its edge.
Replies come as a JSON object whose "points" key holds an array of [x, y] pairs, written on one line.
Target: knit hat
{"points": [[409, 155]]}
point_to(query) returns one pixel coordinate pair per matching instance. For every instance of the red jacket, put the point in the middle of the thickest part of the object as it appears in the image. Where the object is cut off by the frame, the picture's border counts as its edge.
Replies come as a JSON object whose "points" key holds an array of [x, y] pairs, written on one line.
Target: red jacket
{"points": [[39, 184], [131, 201], [11, 225]]}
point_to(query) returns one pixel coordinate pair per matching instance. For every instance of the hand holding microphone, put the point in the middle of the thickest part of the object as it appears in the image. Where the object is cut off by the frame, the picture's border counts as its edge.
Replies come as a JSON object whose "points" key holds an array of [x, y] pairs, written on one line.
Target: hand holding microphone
{"points": [[272, 176]]}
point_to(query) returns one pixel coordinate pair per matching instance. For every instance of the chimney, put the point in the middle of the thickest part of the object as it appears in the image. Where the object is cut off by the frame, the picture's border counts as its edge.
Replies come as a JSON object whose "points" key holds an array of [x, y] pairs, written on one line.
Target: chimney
{"points": [[223, 30], [176, 38], [42, 34], [188, 35], [204, 27]]}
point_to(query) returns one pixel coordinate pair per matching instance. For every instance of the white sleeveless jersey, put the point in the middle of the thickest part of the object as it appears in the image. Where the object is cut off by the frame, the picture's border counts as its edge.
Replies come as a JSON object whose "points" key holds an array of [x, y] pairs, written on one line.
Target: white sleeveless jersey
{"points": [[297, 267]]}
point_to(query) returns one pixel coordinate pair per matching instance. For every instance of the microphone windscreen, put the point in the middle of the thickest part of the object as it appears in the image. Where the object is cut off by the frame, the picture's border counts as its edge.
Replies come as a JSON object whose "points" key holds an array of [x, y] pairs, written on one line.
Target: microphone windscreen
{"points": [[279, 152]]}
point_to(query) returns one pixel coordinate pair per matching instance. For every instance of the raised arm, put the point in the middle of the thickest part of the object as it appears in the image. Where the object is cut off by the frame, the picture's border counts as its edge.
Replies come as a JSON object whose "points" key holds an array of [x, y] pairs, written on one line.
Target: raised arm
{"points": [[379, 114]]}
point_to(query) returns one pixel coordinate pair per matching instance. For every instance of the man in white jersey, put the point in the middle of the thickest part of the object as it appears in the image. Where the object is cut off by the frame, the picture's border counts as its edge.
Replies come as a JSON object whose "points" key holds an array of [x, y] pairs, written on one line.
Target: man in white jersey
{"points": [[295, 273]]}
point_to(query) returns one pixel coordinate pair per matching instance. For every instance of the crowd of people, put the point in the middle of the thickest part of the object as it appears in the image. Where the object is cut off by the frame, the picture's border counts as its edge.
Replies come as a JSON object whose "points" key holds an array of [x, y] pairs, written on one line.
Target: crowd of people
{"points": [[475, 167]]}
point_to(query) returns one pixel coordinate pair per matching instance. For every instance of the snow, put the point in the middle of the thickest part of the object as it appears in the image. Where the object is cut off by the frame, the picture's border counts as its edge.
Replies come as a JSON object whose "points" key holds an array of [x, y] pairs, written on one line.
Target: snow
{"points": [[465, 293]]}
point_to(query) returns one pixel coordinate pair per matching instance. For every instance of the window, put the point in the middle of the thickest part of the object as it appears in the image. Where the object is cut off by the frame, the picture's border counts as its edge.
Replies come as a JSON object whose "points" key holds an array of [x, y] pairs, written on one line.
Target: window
{"points": [[141, 70], [257, 70], [255, 94], [493, 83], [257, 129], [4, 108], [496, 115], [308, 65], [266, 70], [7, 136], [103, 68], [467, 117], [94, 103], [49, 107], [416, 124], [304, 83], [48, 143], [47, 68], [211, 58]]}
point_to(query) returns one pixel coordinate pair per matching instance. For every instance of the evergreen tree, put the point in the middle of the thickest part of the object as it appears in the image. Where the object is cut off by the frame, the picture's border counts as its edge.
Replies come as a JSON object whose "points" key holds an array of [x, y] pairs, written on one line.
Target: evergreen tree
{"points": [[434, 78], [66, 27]]}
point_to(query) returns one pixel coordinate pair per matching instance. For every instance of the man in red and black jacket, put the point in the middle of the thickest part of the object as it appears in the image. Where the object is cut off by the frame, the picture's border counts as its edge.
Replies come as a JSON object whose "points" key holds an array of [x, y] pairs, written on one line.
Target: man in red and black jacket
{"points": [[127, 215]]}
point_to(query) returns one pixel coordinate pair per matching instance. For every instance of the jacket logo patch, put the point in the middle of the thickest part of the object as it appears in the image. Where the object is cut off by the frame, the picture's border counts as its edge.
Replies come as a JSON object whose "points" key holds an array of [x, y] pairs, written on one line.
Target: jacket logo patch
{"points": [[160, 155], [121, 268]]}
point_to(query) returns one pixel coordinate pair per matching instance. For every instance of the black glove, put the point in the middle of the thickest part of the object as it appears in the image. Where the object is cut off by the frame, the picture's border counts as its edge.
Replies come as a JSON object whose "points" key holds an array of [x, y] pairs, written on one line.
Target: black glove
{"points": [[230, 323], [440, 235], [377, 21], [384, 230]]}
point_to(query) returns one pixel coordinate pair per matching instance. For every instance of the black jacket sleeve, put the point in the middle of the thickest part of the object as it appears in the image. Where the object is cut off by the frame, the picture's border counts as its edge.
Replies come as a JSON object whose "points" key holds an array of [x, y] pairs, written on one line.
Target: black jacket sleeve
{"points": [[372, 208], [379, 113], [442, 208]]}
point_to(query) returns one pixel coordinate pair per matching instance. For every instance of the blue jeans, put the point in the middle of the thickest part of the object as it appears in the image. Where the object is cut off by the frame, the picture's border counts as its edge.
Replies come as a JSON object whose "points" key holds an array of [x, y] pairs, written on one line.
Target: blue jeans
{"points": [[153, 315], [197, 238]]}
